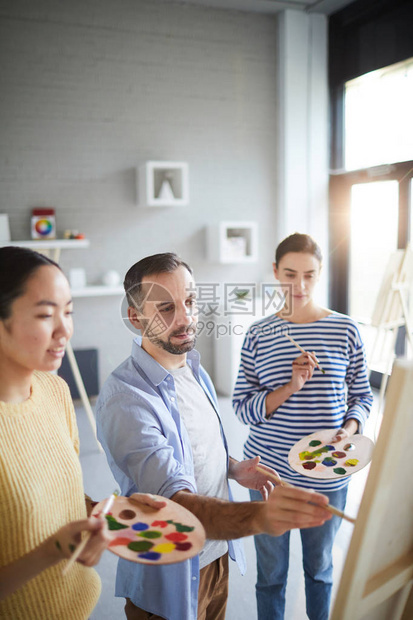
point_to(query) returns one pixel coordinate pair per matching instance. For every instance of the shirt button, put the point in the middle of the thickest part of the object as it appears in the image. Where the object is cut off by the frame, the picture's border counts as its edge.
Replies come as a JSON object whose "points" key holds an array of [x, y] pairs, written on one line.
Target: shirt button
{"points": [[193, 578], [173, 399]]}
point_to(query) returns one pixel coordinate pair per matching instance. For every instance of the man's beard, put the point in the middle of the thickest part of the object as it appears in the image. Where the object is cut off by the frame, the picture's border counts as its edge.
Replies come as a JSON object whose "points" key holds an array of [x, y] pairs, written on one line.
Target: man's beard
{"points": [[176, 349]]}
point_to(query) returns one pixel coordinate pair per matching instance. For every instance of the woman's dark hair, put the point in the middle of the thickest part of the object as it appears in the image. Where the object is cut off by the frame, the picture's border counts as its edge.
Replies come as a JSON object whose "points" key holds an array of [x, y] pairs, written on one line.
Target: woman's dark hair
{"points": [[16, 267], [298, 243], [151, 265]]}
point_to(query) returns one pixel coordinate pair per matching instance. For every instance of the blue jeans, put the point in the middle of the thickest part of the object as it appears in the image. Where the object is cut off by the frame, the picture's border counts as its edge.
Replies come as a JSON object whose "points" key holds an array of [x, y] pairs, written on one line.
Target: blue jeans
{"points": [[273, 559]]}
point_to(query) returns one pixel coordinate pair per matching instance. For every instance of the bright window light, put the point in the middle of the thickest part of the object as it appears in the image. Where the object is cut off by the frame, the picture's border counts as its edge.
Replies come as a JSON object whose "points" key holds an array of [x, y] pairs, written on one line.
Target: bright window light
{"points": [[379, 117], [374, 226]]}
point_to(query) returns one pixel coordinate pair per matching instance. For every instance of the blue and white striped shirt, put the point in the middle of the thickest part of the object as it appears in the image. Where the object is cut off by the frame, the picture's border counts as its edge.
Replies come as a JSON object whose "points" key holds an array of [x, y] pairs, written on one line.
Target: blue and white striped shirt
{"points": [[325, 401]]}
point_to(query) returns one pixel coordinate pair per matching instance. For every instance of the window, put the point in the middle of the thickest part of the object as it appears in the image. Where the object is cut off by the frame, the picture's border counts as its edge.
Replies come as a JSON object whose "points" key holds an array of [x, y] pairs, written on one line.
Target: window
{"points": [[373, 237], [379, 117]]}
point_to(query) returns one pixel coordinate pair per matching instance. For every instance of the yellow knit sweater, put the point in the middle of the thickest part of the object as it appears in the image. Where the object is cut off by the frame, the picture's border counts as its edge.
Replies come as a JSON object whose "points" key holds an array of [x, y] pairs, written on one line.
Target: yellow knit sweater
{"points": [[41, 489]]}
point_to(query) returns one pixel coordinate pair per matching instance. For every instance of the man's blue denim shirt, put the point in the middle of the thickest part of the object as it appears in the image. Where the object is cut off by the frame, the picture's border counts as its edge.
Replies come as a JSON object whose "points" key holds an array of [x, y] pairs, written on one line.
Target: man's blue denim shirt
{"points": [[148, 451]]}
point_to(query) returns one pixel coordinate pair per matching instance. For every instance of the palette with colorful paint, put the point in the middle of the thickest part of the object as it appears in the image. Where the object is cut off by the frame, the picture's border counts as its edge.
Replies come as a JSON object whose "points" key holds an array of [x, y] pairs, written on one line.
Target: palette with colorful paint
{"points": [[143, 534], [316, 457]]}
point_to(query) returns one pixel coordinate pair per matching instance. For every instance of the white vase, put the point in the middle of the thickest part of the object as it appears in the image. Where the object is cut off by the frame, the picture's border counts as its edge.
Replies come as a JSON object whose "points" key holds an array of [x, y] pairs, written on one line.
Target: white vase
{"points": [[77, 278], [166, 193], [4, 227], [111, 278]]}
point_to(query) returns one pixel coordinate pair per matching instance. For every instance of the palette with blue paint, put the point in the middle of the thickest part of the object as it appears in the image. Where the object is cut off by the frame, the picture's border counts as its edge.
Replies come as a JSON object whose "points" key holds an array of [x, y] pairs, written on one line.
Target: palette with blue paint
{"points": [[316, 457], [142, 534]]}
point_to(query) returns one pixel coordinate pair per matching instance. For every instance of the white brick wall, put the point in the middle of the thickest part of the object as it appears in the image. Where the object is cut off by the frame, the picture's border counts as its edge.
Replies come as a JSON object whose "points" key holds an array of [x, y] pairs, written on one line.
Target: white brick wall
{"points": [[90, 89]]}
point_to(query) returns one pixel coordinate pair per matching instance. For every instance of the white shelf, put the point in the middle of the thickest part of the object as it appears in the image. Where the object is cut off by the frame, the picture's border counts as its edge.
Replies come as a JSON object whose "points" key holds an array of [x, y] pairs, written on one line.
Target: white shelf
{"points": [[49, 244], [232, 242], [163, 184], [97, 291], [69, 244]]}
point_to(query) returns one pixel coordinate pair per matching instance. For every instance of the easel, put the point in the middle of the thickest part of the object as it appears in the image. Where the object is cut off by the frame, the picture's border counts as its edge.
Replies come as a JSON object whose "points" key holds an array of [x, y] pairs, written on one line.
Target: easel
{"points": [[82, 391], [376, 583], [391, 312]]}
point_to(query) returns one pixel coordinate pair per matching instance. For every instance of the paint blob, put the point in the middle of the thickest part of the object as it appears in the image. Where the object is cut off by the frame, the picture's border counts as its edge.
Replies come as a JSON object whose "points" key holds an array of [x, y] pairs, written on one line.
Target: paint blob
{"points": [[183, 546], [140, 545], [176, 537], [339, 470], [119, 541], [164, 548], [329, 462], [309, 465], [150, 555], [330, 447], [181, 528], [113, 524], [140, 526], [303, 455], [126, 515], [351, 462], [339, 455], [320, 451], [150, 534], [349, 447], [159, 524], [314, 443]]}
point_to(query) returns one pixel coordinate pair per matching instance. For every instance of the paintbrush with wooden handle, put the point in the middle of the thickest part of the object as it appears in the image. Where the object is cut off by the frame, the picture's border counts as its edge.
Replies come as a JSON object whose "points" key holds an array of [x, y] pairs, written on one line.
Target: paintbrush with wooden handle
{"points": [[276, 478], [300, 348]]}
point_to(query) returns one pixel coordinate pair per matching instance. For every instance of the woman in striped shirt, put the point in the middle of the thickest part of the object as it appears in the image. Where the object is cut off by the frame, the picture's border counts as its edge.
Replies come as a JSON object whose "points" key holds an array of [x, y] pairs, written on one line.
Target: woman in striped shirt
{"points": [[283, 397]]}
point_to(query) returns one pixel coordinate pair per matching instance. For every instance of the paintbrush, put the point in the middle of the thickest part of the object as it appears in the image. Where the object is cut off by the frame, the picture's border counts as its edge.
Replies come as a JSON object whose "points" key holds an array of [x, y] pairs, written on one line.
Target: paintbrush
{"points": [[85, 540], [300, 348], [276, 478]]}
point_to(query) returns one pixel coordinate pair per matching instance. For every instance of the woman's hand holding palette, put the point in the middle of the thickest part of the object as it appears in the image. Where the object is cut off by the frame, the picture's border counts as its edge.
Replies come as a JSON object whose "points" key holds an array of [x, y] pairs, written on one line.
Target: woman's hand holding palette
{"points": [[316, 457], [147, 535]]}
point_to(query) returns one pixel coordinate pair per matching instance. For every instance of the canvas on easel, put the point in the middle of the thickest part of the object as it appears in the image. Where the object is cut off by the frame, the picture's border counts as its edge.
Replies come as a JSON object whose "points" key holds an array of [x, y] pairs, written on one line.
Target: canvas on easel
{"points": [[390, 308], [376, 582], [391, 311]]}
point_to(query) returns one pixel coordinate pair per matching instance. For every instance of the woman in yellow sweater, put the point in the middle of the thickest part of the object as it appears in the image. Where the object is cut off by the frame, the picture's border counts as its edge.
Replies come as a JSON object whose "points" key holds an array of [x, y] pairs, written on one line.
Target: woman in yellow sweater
{"points": [[42, 504]]}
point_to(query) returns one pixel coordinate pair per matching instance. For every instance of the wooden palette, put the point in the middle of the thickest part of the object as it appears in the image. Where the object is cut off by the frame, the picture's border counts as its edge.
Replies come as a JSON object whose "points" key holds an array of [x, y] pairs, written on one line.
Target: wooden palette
{"points": [[143, 534], [316, 457]]}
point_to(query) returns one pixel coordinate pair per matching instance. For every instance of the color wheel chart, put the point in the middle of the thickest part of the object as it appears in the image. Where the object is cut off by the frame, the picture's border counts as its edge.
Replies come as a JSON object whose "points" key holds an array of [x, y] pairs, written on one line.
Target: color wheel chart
{"points": [[314, 456], [43, 223], [145, 535], [43, 227]]}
